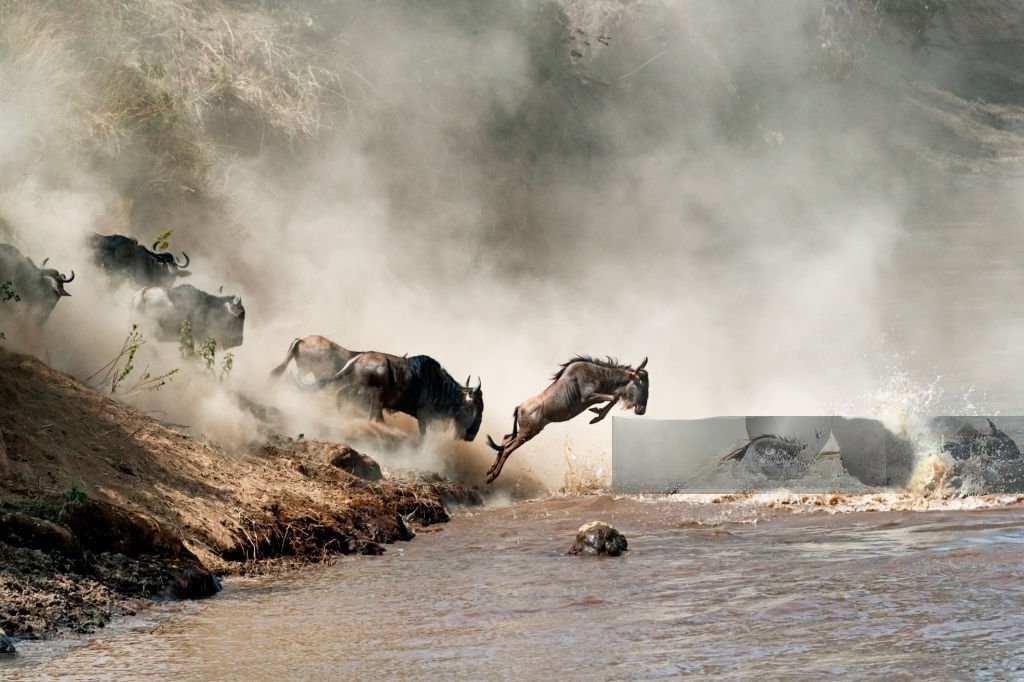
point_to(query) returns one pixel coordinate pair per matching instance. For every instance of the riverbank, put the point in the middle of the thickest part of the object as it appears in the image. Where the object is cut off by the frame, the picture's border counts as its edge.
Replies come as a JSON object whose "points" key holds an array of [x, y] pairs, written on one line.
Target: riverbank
{"points": [[104, 509]]}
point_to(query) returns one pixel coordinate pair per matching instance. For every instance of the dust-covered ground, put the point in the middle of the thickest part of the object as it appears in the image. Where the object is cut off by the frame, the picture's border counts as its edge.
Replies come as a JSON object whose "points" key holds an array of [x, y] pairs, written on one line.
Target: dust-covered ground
{"points": [[103, 509]]}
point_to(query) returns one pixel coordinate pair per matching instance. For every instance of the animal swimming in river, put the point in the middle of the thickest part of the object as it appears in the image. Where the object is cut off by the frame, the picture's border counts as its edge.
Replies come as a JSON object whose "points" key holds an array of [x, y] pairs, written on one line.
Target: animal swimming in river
{"points": [[580, 383]]}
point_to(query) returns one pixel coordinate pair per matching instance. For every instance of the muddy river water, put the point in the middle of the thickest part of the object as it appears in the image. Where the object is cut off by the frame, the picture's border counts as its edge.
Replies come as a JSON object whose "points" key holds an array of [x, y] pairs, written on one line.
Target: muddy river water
{"points": [[736, 589]]}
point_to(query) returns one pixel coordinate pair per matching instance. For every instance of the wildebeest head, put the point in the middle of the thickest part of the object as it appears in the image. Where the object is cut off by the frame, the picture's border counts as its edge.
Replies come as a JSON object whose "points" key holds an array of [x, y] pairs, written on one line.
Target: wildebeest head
{"points": [[56, 280], [234, 323], [38, 289], [471, 413], [634, 394]]}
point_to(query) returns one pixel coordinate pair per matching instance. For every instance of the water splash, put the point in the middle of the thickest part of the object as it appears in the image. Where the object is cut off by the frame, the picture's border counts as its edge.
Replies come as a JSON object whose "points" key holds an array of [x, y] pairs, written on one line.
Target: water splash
{"points": [[901, 403]]}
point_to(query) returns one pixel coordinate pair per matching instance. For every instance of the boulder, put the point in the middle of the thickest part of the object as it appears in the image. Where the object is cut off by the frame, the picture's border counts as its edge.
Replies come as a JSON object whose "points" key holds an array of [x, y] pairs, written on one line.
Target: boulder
{"points": [[357, 464], [597, 538]]}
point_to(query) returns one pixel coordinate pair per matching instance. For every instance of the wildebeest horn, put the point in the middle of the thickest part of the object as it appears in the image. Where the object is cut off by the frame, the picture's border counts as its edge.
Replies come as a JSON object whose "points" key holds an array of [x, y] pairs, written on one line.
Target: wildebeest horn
{"points": [[479, 383], [65, 280], [182, 265], [155, 244], [642, 365]]}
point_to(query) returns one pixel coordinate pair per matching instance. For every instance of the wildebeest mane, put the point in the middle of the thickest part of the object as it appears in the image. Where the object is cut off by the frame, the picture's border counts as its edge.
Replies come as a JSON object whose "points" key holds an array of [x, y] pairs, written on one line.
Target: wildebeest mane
{"points": [[436, 385], [609, 362]]}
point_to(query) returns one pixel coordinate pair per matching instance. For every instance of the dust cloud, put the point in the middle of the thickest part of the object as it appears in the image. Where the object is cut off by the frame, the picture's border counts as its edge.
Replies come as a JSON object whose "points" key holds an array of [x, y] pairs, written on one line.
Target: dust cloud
{"points": [[510, 184]]}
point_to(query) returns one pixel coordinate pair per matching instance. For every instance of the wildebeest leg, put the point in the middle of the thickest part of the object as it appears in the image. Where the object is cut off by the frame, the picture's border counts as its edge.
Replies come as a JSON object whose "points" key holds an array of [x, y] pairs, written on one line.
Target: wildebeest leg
{"points": [[521, 433], [602, 412], [376, 407], [507, 448]]}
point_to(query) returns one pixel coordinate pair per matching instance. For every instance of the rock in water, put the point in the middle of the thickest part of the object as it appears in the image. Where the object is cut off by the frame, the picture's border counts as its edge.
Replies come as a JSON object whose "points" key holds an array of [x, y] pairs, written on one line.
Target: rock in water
{"points": [[598, 538], [6, 644]]}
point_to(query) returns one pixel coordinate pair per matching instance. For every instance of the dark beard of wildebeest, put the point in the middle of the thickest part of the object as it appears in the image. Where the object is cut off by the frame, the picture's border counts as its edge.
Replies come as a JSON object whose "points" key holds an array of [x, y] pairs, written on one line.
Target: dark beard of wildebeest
{"points": [[122, 256], [36, 289], [316, 355], [417, 386], [579, 384], [221, 318]]}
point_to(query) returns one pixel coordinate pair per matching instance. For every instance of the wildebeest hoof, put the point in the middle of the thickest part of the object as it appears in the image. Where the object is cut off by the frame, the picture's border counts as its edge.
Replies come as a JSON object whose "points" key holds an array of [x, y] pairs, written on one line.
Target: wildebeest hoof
{"points": [[597, 538]]}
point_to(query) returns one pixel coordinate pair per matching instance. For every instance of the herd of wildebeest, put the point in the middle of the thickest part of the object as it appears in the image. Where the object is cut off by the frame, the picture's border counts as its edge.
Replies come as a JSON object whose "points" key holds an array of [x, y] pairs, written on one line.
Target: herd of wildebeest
{"points": [[417, 386]]}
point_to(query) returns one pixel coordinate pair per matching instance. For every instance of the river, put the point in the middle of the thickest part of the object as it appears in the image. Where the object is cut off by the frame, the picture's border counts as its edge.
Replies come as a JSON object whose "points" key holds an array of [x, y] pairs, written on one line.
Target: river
{"points": [[730, 587]]}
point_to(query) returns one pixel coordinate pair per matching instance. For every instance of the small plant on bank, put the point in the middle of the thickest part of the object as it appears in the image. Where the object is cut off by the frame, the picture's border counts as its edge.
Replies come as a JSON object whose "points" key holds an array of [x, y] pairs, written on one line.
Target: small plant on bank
{"points": [[163, 241], [71, 497], [205, 355], [7, 293], [42, 510], [117, 373]]}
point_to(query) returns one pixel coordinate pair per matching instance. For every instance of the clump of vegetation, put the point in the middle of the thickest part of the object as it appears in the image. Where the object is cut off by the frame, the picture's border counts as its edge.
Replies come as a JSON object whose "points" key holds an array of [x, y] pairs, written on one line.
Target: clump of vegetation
{"points": [[163, 242], [205, 354], [119, 374], [7, 293], [168, 89], [44, 510]]}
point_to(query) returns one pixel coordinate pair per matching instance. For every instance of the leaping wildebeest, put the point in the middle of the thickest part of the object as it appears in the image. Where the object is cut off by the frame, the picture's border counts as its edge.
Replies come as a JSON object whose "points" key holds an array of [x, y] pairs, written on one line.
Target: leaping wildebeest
{"points": [[316, 355], [579, 384], [123, 256], [221, 318], [417, 386], [36, 289]]}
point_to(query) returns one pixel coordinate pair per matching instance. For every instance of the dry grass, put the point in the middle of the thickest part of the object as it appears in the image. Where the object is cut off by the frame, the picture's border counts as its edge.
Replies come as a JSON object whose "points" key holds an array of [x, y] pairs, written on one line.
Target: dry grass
{"points": [[170, 89]]}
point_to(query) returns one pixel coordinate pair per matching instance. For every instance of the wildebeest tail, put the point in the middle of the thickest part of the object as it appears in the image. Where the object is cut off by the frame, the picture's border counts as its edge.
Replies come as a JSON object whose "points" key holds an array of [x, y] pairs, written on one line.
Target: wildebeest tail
{"points": [[293, 353], [738, 452], [515, 430], [341, 372]]}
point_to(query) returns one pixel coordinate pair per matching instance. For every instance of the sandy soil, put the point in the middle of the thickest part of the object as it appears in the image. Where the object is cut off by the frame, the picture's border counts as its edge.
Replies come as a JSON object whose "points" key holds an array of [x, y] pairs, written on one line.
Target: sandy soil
{"points": [[103, 509]]}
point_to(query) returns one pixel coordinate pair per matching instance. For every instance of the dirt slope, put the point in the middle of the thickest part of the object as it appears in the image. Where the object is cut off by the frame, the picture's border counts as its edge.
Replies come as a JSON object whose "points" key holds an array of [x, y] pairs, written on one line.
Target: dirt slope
{"points": [[102, 508]]}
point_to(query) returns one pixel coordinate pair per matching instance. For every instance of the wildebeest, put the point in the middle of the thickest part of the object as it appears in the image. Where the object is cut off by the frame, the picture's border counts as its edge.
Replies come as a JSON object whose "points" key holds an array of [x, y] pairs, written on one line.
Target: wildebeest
{"points": [[316, 355], [417, 386], [221, 318], [775, 457], [985, 462], [995, 445], [36, 289], [578, 384], [124, 257]]}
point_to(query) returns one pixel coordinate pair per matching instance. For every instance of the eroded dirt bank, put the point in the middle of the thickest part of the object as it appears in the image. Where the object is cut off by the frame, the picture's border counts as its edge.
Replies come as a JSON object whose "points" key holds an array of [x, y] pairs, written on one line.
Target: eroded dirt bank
{"points": [[103, 509]]}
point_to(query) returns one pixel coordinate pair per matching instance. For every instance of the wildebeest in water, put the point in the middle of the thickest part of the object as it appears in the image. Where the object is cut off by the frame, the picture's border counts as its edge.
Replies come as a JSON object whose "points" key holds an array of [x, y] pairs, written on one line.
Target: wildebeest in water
{"points": [[123, 256], [35, 290], [579, 384], [221, 318], [417, 386], [316, 355], [775, 457]]}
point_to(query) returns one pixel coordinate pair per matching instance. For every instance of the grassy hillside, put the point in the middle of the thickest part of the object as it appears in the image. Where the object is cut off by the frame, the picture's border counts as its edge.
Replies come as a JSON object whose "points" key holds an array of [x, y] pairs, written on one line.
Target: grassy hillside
{"points": [[158, 97]]}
